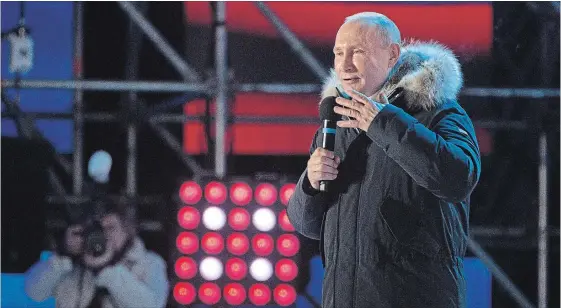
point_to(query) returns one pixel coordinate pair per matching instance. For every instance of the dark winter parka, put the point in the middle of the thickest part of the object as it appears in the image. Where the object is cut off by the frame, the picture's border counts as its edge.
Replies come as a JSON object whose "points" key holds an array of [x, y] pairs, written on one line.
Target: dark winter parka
{"points": [[393, 232]]}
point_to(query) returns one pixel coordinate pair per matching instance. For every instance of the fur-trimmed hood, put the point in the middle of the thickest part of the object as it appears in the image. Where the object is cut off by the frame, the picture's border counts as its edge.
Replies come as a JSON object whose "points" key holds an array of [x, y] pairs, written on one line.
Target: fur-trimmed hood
{"points": [[429, 74]]}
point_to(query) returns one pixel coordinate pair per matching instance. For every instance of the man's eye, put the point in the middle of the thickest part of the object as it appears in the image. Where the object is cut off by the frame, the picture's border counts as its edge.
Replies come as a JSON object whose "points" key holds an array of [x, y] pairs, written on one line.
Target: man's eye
{"points": [[359, 51], [339, 54]]}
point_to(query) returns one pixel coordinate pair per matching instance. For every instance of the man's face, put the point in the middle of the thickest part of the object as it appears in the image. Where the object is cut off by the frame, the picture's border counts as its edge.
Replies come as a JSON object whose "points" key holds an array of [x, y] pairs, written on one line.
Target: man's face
{"points": [[114, 230], [361, 61]]}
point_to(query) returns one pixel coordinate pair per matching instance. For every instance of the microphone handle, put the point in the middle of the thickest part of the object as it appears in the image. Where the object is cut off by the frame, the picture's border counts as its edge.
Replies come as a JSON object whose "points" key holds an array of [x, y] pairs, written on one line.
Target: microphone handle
{"points": [[328, 142]]}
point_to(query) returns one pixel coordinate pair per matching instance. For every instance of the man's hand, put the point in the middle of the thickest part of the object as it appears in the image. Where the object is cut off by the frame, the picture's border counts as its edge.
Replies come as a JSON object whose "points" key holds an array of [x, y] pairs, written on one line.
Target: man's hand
{"points": [[101, 261], [361, 108], [322, 165]]}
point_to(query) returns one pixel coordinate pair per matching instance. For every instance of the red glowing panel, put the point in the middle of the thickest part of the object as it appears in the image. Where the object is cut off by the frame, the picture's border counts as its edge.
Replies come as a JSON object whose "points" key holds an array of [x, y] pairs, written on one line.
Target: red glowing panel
{"points": [[237, 244], [265, 194], [284, 295], [236, 269], [286, 192], [184, 293], [234, 294], [212, 243], [286, 270], [240, 193], [262, 244], [185, 268], [259, 294], [288, 245], [216, 192], [187, 243], [190, 192], [238, 219], [209, 293], [188, 217], [284, 222]]}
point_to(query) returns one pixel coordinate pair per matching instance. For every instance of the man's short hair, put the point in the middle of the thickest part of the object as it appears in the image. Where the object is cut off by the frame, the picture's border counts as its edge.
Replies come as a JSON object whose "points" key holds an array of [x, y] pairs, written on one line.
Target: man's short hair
{"points": [[385, 27]]}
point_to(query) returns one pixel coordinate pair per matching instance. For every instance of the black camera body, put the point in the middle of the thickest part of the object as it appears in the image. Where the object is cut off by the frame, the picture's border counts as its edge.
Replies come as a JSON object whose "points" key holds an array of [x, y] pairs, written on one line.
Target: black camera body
{"points": [[95, 242], [89, 215]]}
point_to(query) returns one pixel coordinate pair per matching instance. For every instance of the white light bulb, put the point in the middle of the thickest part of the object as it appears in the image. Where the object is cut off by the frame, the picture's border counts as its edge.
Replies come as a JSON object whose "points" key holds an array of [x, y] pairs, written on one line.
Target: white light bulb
{"points": [[211, 268], [261, 269], [264, 219], [214, 218]]}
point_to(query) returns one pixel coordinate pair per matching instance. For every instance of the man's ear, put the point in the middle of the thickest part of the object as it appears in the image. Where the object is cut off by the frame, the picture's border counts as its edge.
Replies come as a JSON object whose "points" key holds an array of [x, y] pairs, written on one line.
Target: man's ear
{"points": [[395, 52]]}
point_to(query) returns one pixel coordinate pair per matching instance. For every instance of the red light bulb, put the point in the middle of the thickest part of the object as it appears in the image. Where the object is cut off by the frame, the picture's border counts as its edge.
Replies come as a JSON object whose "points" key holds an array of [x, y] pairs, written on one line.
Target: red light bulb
{"points": [[215, 193], [288, 245], [234, 294], [190, 192], [185, 268], [259, 294], [187, 243], [237, 244], [262, 244], [184, 293], [188, 217], [240, 193], [236, 269], [209, 293], [284, 295], [286, 270], [265, 194], [238, 219]]}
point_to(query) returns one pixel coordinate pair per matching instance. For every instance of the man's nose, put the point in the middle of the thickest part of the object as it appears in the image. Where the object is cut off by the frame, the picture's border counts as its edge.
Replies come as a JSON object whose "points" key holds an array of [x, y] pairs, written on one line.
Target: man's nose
{"points": [[348, 65]]}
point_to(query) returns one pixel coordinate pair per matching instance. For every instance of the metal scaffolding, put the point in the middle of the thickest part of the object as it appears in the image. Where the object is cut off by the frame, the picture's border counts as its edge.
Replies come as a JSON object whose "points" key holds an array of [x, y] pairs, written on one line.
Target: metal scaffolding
{"points": [[219, 90]]}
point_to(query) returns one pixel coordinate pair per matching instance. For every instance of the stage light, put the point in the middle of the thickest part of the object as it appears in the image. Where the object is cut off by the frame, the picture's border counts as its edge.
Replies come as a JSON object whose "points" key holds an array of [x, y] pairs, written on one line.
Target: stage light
{"points": [[210, 268], [238, 219], [188, 217], [259, 294], [236, 269], [237, 244], [286, 192], [264, 219], [209, 293], [262, 244], [216, 193], [284, 222], [187, 243], [185, 268], [212, 243], [265, 194], [190, 192], [286, 270], [184, 293], [284, 295], [234, 294], [288, 245], [214, 218], [261, 269], [240, 193]]}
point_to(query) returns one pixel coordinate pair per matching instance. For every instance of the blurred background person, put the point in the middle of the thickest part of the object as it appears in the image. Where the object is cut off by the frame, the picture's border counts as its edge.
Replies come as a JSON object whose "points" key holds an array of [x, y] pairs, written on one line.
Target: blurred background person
{"points": [[124, 274]]}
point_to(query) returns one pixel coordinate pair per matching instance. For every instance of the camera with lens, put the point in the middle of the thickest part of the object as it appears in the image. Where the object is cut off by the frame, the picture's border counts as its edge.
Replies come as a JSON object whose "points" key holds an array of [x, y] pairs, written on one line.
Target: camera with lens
{"points": [[89, 215], [94, 239]]}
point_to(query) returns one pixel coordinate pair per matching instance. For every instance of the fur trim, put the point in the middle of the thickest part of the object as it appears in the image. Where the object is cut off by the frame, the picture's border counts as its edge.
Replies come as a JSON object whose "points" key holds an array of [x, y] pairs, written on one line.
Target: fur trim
{"points": [[429, 73]]}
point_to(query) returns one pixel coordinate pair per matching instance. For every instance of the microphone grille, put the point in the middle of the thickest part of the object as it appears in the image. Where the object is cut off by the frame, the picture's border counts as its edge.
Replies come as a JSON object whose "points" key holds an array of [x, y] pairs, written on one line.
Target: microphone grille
{"points": [[326, 109]]}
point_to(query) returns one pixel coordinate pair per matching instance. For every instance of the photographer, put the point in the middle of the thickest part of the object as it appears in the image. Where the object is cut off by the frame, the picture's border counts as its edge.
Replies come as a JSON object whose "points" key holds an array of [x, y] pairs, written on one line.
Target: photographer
{"points": [[121, 274]]}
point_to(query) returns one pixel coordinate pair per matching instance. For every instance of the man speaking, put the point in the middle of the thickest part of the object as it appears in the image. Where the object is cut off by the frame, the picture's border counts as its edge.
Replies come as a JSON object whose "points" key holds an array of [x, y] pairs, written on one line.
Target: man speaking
{"points": [[393, 225]]}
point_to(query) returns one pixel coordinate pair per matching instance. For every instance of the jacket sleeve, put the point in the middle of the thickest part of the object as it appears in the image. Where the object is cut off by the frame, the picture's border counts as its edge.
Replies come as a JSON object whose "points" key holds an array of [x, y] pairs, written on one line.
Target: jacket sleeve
{"points": [[43, 277], [306, 206], [130, 291], [444, 159]]}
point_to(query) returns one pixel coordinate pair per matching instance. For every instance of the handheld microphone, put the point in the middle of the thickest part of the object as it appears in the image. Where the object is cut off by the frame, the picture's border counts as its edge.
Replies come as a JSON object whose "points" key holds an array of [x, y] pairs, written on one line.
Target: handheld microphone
{"points": [[329, 127]]}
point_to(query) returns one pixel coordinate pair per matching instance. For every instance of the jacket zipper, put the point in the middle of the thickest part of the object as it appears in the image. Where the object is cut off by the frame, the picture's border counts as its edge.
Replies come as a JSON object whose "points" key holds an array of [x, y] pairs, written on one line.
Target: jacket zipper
{"points": [[357, 242]]}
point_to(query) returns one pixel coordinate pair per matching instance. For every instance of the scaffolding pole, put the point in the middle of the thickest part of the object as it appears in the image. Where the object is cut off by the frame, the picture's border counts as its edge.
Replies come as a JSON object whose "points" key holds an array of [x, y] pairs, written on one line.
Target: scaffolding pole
{"points": [[78, 154], [221, 66], [543, 236], [499, 274], [272, 88], [186, 72], [297, 46]]}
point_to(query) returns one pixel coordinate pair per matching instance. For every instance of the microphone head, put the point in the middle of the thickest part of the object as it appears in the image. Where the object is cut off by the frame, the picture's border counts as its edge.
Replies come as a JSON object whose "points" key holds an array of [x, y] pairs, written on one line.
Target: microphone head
{"points": [[326, 109]]}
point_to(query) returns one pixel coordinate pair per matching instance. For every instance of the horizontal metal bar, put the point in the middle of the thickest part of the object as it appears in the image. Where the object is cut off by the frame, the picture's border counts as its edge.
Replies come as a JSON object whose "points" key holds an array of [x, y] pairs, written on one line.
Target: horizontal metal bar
{"points": [[277, 88], [510, 92], [109, 86], [143, 225], [72, 199], [179, 118]]}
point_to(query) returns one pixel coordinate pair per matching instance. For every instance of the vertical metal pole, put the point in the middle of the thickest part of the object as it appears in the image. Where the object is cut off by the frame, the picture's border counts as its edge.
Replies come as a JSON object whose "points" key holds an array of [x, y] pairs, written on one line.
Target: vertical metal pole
{"points": [[78, 154], [130, 100], [221, 66], [542, 224]]}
